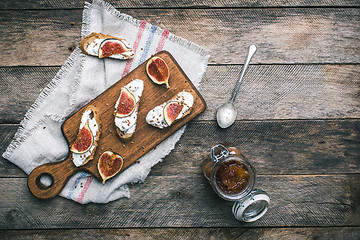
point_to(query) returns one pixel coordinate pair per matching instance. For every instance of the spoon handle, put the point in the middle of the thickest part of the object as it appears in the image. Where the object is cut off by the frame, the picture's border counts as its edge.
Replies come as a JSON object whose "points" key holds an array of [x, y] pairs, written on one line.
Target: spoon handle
{"points": [[251, 51]]}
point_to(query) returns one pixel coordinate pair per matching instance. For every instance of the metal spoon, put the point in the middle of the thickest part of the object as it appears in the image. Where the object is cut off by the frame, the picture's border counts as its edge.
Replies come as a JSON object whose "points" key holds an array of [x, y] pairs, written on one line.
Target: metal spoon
{"points": [[226, 114]]}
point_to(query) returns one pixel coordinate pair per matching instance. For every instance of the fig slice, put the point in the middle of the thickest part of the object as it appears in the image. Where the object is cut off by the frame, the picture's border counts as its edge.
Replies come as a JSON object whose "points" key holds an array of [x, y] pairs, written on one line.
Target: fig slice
{"points": [[109, 165], [171, 111], [126, 103], [111, 46], [158, 71], [83, 140]]}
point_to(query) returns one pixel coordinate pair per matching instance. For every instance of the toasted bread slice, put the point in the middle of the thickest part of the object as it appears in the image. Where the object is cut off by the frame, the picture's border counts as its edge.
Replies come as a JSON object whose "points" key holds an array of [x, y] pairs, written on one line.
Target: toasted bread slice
{"points": [[86, 41], [156, 118], [92, 43], [92, 118], [125, 137]]}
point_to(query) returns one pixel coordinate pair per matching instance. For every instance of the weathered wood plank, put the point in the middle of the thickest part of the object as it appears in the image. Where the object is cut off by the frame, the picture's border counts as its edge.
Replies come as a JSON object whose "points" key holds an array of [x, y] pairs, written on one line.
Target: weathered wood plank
{"points": [[285, 35], [53, 4], [285, 91], [268, 91], [8, 169], [304, 147], [20, 86], [188, 201], [349, 233]]}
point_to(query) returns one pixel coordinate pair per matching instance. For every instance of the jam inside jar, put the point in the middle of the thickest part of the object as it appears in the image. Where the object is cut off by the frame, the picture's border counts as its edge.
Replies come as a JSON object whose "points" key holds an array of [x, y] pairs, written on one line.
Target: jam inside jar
{"points": [[232, 177]]}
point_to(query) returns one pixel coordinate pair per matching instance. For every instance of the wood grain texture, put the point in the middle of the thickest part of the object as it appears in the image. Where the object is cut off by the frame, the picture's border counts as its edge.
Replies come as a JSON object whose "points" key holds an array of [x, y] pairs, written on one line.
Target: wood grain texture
{"points": [[304, 147], [7, 169], [267, 92], [285, 35], [285, 91], [320, 233], [20, 86], [53, 4], [188, 201]]}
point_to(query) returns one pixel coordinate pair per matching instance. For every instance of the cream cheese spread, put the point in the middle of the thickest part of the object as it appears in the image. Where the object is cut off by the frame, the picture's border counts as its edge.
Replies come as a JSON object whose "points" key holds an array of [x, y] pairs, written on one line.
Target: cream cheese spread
{"points": [[79, 158], [93, 49], [155, 117], [128, 124]]}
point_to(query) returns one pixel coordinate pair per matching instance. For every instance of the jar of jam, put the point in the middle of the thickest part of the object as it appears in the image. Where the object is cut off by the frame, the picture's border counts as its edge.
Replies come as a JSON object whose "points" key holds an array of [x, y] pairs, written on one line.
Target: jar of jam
{"points": [[232, 177]]}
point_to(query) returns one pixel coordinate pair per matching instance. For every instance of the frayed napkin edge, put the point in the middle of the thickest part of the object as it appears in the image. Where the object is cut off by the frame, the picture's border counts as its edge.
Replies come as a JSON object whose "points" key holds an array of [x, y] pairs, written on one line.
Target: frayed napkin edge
{"points": [[21, 134]]}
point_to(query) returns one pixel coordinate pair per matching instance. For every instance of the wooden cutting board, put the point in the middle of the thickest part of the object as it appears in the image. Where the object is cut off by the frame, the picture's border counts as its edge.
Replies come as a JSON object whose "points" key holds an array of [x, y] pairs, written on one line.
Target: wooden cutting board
{"points": [[145, 138]]}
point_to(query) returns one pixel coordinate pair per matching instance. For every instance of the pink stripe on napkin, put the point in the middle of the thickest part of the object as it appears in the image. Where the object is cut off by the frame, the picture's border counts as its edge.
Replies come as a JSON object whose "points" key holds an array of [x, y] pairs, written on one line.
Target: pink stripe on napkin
{"points": [[163, 38], [135, 46], [86, 187]]}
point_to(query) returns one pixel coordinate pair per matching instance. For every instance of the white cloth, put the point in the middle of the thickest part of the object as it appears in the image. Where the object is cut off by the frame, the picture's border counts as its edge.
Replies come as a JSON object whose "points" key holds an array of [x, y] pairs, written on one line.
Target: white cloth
{"points": [[39, 138]]}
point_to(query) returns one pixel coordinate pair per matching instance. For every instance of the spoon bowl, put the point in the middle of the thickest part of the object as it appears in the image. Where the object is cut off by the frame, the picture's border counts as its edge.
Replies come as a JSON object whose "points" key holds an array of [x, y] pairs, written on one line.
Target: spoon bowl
{"points": [[226, 115]]}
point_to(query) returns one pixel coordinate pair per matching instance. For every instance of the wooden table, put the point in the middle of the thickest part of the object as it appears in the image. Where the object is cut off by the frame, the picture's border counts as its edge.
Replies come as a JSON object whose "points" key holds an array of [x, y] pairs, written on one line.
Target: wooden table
{"points": [[298, 121]]}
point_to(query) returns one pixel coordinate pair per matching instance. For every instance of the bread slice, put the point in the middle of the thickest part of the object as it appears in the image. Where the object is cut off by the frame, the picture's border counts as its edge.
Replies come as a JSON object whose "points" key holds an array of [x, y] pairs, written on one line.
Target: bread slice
{"points": [[155, 117], [86, 41], [126, 125], [92, 117], [90, 45], [125, 137]]}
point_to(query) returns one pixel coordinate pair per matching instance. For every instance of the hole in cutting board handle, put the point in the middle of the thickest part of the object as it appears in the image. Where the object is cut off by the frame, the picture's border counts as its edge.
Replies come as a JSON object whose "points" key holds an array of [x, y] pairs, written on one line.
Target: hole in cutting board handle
{"points": [[47, 180], [44, 181]]}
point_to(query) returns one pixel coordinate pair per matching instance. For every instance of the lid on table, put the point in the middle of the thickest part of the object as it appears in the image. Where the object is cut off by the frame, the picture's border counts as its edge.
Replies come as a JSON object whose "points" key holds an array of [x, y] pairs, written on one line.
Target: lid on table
{"points": [[252, 207]]}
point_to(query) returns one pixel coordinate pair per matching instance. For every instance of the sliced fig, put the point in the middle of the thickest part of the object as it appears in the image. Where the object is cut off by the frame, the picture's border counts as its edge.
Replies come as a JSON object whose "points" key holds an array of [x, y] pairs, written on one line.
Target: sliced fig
{"points": [[83, 140], [158, 71], [109, 165], [126, 103], [171, 111], [111, 46]]}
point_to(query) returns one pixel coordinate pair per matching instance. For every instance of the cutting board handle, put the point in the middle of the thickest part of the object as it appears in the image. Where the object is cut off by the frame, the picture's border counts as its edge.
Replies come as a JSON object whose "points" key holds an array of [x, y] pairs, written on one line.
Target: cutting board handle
{"points": [[58, 172]]}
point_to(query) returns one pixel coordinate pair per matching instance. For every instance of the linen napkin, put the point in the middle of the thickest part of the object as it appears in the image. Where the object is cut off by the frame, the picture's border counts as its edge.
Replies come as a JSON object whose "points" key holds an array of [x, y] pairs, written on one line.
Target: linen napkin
{"points": [[39, 138]]}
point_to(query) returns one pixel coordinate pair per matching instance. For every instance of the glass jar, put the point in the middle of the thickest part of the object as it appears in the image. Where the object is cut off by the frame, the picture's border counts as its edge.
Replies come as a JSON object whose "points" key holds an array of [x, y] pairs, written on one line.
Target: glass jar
{"points": [[232, 177]]}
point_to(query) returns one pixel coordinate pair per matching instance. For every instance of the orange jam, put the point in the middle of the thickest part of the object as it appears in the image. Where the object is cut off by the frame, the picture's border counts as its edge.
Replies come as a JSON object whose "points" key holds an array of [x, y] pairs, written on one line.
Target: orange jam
{"points": [[232, 177]]}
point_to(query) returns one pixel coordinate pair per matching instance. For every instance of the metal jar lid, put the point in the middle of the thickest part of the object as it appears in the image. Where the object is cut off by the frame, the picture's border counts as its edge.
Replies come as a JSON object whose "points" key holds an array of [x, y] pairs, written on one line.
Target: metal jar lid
{"points": [[252, 207]]}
